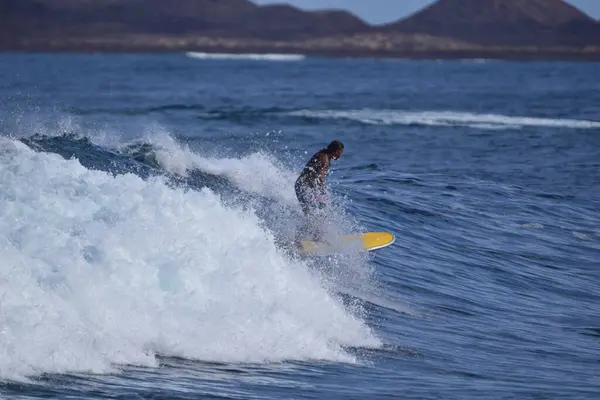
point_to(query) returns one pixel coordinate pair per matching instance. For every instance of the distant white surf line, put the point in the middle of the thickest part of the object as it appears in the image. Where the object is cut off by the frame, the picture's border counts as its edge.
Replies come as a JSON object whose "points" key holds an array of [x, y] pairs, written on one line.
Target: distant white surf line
{"points": [[445, 118], [246, 56]]}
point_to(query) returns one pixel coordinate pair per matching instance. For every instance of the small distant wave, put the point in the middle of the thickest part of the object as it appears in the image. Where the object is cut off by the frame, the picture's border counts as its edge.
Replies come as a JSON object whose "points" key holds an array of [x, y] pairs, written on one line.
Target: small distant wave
{"points": [[477, 61], [361, 116], [532, 225], [444, 118], [247, 56], [581, 235]]}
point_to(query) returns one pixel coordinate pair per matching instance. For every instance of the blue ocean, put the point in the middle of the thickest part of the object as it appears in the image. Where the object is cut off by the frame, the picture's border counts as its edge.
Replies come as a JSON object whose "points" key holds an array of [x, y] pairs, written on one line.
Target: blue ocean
{"points": [[147, 205]]}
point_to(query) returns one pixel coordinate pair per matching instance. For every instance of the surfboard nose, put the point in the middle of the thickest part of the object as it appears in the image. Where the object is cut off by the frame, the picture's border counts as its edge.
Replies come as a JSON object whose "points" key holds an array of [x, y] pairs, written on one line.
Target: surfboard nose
{"points": [[370, 241], [377, 240]]}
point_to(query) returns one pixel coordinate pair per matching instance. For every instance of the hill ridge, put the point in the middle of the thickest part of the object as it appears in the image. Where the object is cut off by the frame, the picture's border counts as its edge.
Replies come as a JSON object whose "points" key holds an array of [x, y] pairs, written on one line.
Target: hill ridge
{"points": [[444, 29]]}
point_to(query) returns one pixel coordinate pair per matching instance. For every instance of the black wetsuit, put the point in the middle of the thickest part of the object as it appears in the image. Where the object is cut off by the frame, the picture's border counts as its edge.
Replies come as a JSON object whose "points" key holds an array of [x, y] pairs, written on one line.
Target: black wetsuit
{"points": [[310, 189]]}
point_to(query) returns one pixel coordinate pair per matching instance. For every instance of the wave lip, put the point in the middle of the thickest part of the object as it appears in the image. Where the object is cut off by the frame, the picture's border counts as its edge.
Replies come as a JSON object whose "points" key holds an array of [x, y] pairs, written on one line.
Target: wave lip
{"points": [[444, 118], [246, 56]]}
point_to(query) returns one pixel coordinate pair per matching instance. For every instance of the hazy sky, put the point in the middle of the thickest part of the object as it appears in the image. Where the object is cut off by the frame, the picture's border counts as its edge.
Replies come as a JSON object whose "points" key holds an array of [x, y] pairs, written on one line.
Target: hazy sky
{"points": [[379, 11]]}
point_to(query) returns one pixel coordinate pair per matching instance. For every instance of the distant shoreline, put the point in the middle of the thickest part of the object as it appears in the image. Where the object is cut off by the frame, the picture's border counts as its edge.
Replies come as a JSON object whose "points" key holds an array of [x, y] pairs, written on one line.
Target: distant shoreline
{"points": [[415, 56], [416, 47], [523, 30]]}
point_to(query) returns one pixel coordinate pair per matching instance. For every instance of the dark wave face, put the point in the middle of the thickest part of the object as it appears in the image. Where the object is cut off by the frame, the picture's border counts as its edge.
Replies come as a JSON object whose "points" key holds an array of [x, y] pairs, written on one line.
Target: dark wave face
{"points": [[149, 216]]}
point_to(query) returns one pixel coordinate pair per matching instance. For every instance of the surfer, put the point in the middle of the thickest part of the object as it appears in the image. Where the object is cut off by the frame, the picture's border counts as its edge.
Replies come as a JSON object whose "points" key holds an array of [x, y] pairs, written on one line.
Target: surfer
{"points": [[310, 185]]}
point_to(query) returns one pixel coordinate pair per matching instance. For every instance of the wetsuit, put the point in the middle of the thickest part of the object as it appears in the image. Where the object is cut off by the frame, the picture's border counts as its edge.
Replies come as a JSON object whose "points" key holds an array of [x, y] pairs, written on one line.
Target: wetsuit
{"points": [[310, 185]]}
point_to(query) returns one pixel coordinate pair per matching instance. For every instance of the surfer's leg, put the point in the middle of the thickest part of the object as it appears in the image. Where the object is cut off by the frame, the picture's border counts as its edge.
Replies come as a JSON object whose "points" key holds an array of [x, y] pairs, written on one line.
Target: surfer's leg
{"points": [[317, 233], [302, 197], [309, 201], [311, 225], [303, 231]]}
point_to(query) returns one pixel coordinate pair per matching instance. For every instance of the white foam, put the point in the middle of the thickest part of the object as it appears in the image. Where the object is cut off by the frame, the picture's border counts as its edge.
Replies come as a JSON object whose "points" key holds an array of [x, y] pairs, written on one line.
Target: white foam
{"points": [[532, 225], [256, 173], [99, 269], [246, 56], [478, 61], [445, 118], [580, 235]]}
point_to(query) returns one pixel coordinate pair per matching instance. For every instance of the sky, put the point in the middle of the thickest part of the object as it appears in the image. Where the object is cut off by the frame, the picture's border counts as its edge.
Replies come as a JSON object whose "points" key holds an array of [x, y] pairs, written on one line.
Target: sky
{"points": [[381, 11]]}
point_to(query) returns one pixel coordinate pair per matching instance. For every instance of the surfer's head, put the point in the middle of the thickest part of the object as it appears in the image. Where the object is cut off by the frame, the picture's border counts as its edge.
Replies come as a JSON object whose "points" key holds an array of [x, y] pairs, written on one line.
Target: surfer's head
{"points": [[335, 149]]}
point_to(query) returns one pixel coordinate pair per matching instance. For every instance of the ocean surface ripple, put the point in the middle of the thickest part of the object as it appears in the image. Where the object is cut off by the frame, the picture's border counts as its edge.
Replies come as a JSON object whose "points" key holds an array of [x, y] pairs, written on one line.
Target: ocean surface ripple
{"points": [[148, 210]]}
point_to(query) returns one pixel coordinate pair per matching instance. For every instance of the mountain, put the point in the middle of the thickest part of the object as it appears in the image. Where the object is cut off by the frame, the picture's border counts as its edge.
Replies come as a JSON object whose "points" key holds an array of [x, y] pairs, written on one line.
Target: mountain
{"points": [[504, 23], [222, 18], [516, 29]]}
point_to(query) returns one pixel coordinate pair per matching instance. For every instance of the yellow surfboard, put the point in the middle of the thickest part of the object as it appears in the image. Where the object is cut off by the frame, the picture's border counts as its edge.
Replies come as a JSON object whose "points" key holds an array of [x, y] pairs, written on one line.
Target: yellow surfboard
{"points": [[368, 241]]}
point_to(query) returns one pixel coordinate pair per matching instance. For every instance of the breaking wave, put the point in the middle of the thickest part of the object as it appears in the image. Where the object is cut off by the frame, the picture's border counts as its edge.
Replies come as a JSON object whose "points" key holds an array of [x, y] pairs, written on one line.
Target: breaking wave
{"points": [[247, 56], [443, 118], [102, 269]]}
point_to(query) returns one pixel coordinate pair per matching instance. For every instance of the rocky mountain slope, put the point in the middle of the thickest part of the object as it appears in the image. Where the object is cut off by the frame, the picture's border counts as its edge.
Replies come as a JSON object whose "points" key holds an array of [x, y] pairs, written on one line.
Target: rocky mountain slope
{"points": [[445, 29]]}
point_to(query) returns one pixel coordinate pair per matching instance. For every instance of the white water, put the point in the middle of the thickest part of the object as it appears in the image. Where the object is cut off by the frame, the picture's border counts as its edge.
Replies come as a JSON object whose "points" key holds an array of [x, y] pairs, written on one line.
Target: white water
{"points": [[98, 270], [257, 173], [445, 118], [246, 56]]}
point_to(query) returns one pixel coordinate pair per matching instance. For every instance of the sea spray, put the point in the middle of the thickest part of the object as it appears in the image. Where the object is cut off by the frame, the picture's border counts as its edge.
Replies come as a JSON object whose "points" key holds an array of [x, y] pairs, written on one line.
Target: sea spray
{"points": [[267, 187]]}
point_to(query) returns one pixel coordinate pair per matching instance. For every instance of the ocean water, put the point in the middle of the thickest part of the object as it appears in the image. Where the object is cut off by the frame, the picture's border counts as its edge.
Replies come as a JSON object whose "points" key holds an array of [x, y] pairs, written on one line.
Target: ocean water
{"points": [[147, 207]]}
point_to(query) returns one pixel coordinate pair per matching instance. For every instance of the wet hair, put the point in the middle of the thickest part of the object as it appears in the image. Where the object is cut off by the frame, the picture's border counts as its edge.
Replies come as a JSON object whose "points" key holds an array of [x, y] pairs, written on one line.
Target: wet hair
{"points": [[335, 146]]}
